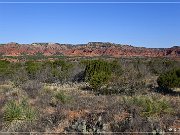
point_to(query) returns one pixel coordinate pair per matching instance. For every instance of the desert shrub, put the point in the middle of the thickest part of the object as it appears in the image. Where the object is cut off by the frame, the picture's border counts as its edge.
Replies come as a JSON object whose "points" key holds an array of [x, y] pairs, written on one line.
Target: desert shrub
{"points": [[94, 66], [32, 68], [131, 81], [62, 97], [116, 68], [62, 70], [140, 68], [19, 111], [158, 66], [151, 106], [45, 75], [129, 88], [37, 56], [59, 70], [99, 72], [9, 69], [5, 69], [4, 65], [65, 65], [98, 80], [48, 71], [19, 77], [170, 79], [32, 88]]}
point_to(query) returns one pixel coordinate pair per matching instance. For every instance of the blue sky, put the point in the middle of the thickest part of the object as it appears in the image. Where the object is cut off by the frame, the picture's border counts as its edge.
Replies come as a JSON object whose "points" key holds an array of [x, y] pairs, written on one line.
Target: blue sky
{"points": [[148, 25]]}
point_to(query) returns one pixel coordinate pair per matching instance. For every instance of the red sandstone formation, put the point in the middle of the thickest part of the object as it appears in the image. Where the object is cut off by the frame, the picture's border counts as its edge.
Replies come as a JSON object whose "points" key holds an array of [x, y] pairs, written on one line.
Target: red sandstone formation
{"points": [[90, 49]]}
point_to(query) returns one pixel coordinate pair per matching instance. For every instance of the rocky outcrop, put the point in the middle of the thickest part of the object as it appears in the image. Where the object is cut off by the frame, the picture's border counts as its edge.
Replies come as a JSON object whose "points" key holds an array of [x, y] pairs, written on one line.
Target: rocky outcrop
{"points": [[90, 49]]}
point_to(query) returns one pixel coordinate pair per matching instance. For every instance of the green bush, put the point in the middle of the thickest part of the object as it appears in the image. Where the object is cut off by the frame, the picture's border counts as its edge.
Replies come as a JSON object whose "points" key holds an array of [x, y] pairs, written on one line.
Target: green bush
{"points": [[98, 80], [99, 72], [151, 106], [8, 69], [59, 69], [5, 68], [32, 68], [62, 97], [19, 111], [65, 65], [170, 79], [19, 76], [95, 66]]}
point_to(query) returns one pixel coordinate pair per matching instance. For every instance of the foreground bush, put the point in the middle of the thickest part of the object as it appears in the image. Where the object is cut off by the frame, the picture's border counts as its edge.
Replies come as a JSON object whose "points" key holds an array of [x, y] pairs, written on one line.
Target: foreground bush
{"points": [[151, 106], [169, 79], [19, 111]]}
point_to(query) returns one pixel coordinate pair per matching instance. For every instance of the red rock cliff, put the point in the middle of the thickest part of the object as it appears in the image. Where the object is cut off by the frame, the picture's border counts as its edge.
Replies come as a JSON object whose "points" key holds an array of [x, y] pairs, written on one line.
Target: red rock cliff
{"points": [[90, 49]]}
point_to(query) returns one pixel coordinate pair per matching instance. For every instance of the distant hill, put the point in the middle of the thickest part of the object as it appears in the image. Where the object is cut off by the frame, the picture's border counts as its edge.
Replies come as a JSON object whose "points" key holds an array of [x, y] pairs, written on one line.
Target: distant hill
{"points": [[89, 49]]}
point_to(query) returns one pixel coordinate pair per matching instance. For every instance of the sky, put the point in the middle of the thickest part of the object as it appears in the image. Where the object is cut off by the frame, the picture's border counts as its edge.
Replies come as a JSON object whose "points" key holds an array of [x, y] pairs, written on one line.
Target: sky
{"points": [[152, 25]]}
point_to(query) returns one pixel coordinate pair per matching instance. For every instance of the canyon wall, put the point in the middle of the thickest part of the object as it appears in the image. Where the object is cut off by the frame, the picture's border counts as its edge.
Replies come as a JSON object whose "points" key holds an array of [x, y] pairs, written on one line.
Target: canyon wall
{"points": [[90, 49]]}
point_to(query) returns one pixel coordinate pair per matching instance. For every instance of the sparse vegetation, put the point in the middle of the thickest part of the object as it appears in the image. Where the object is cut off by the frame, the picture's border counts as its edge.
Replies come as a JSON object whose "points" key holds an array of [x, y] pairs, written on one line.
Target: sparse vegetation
{"points": [[89, 96], [32, 88]]}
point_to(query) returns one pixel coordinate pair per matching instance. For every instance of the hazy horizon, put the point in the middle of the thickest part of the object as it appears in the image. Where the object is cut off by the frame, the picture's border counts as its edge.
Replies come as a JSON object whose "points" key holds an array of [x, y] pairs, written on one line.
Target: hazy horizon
{"points": [[141, 25]]}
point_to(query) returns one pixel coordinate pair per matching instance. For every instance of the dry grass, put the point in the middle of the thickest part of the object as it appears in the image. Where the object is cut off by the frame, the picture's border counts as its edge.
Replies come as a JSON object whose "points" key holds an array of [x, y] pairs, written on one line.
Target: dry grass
{"points": [[84, 106]]}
